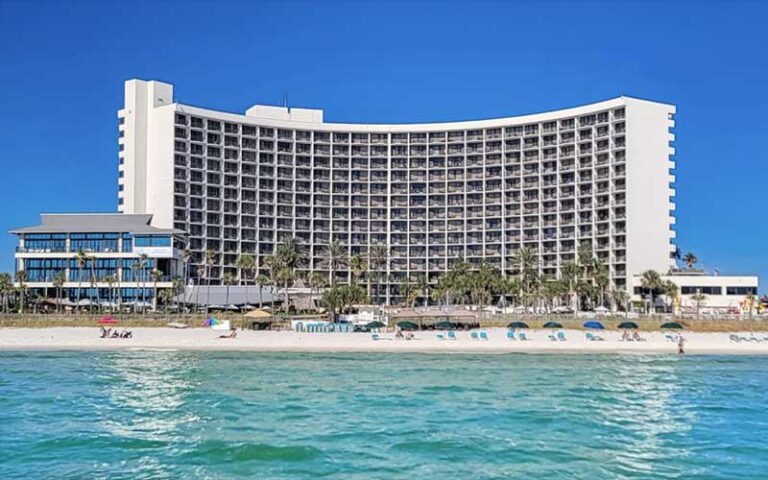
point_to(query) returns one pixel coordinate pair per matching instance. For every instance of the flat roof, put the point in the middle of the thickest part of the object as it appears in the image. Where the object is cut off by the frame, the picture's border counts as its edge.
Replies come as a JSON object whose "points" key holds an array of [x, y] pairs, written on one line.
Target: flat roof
{"points": [[95, 223]]}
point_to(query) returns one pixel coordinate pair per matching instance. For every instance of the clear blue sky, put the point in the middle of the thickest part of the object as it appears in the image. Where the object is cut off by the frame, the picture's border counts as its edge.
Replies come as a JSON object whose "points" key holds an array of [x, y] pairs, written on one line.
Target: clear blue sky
{"points": [[62, 67]]}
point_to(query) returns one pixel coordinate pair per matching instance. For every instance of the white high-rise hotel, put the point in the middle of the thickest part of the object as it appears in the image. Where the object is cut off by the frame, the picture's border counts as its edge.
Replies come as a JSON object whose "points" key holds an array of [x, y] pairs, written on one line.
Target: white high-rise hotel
{"points": [[478, 190]]}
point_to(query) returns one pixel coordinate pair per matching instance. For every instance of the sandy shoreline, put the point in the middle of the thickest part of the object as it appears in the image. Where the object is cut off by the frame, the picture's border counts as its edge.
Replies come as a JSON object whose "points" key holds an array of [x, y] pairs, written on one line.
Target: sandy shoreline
{"points": [[82, 338]]}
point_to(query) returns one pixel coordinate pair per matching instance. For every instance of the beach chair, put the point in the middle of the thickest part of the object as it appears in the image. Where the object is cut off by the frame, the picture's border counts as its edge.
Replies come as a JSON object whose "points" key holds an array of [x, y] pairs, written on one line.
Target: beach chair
{"points": [[552, 337], [561, 336], [511, 335], [522, 336], [483, 335], [375, 336], [474, 336], [594, 338], [451, 335], [440, 336], [671, 338], [733, 338]]}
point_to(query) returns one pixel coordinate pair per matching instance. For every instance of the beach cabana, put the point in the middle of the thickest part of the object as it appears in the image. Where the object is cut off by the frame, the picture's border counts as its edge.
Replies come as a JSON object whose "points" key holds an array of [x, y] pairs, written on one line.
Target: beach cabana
{"points": [[673, 326], [406, 325], [258, 319], [628, 325], [515, 325], [552, 325], [594, 324]]}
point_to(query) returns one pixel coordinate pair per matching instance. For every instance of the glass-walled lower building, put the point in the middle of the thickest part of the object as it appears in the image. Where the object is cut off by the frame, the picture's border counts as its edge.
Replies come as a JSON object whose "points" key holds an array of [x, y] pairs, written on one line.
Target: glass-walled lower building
{"points": [[98, 259]]}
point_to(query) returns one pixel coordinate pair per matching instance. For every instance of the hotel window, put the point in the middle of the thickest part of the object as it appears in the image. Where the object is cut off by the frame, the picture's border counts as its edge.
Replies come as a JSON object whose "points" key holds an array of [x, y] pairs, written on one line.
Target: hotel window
{"points": [[741, 290], [687, 290], [152, 240]]}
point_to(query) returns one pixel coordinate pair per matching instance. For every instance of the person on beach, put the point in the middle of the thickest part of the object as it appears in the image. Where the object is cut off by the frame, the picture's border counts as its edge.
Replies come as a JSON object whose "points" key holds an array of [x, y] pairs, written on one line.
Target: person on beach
{"points": [[680, 345]]}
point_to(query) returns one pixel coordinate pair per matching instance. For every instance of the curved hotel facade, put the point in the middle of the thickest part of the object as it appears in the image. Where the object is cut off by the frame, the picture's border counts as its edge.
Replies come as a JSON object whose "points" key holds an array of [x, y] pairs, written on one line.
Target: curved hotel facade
{"points": [[433, 193]]}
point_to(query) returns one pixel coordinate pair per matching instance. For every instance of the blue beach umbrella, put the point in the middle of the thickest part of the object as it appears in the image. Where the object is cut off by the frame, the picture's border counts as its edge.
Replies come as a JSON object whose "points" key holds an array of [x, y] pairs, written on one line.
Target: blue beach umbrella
{"points": [[594, 324]]}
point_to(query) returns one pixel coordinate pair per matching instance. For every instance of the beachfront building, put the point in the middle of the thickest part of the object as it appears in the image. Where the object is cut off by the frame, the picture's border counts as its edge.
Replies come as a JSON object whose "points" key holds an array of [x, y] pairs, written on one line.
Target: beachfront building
{"points": [[700, 292], [598, 174], [98, 259]]}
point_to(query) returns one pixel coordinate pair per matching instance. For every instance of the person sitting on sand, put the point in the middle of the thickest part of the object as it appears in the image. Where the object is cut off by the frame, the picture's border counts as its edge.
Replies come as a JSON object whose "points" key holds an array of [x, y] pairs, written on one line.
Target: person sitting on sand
{"points": [[115, 334], [409, 336], [636, 336], [103, 332], [126, 334], [232, 334], [681, 345], [399, 334], [625, 336]]}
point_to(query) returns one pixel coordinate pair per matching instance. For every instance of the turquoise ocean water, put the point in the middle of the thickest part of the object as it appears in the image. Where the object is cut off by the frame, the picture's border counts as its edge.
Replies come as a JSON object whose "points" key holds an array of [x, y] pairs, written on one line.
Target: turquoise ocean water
{"points": [[174, 415]]}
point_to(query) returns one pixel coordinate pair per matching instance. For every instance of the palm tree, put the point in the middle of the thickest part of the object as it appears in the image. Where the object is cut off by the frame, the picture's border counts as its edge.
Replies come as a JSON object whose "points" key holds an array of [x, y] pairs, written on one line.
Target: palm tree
{"points": [[676, 255], [143, 264], [378, 261], [357, 265], [700, 300], [569, 273], [335, 257], [273, 265], [186, 257], [156, 275], [58, 283], [316, 281], [621, 298], [527, 264], [263, 281], [690, 260], [749, 301], [210, 261], [135, 269], [651, 281], [110, 280], [246, 264], [6, 287], [602, 280], [669, 289], [21, 277], [82, 259], [228, 280]]}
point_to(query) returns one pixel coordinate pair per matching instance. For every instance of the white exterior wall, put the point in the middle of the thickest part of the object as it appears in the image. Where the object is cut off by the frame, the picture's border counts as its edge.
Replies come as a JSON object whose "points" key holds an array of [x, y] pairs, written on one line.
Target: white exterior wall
{"points": [[141, 144], [649, 232]]}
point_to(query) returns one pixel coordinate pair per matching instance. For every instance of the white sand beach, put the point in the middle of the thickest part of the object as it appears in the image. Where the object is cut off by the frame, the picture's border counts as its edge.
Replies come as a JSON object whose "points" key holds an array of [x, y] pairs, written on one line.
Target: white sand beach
{"points": [[83, 338]]}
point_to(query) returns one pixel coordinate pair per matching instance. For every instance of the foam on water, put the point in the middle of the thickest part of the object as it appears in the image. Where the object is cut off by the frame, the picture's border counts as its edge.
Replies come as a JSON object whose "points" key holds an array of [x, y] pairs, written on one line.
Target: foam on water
{"points": [[177, 414]]}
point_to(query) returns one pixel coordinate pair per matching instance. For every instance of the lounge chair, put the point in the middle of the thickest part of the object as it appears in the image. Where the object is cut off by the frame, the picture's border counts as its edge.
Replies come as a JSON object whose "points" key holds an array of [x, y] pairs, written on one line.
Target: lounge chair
{"points": [[511, 335], [474, 336], [523, 336], [440, 336], [671, 338], [594, 338], [561, 336], [451, 335], [552, 337], [734, 338], [375, 336], [483, 335]]}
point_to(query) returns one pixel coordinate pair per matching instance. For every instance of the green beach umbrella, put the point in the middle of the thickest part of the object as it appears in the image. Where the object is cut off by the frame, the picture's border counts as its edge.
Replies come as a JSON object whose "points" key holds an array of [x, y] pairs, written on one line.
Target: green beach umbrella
{"points": [[673, 325], [375, 324], [632, 325], [517, 325], [553, 325], [444, 325], [406, 325]]}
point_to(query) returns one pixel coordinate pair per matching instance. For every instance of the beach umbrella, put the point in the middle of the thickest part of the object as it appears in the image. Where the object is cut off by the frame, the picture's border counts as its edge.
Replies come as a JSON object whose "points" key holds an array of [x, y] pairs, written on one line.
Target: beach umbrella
{"points": [[107, 320], [673, 325], [211, 321], [594, 324], [517, 325], [406, 325], [375, 324], [553, 325], [632, 325], [444, 325]]}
